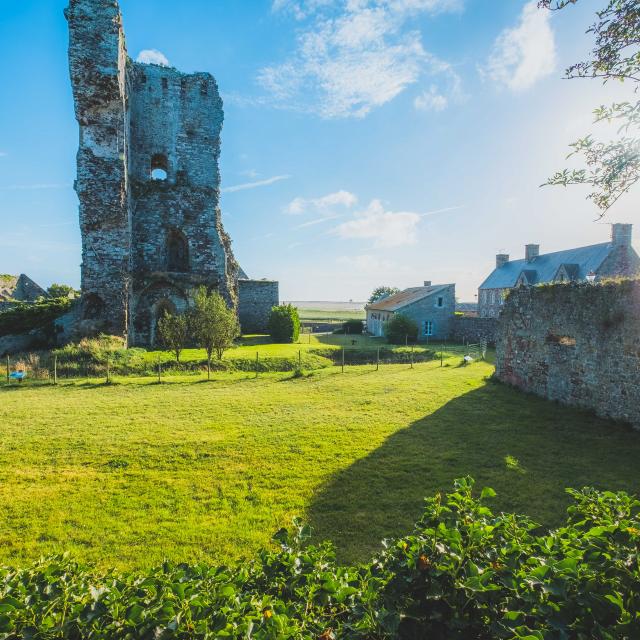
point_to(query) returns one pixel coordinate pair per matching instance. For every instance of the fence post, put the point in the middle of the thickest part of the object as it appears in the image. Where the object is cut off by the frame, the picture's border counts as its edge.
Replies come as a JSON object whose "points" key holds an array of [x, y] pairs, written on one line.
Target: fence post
{"points": [[159, 370], [441, 355], [257, 363], [412, 356], [378, 359], [55, 369], [108, 372], [8, 369], [300, 359], [342, 359]]}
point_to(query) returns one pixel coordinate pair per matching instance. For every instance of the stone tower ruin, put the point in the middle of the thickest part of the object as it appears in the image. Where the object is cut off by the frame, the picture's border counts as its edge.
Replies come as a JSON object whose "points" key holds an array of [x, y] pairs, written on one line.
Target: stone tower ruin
{"points": [[149, 186]]}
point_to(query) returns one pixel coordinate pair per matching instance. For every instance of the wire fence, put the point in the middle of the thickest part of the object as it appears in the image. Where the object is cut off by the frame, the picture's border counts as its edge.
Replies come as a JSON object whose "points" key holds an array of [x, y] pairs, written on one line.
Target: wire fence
{"points": [[52, 368]]}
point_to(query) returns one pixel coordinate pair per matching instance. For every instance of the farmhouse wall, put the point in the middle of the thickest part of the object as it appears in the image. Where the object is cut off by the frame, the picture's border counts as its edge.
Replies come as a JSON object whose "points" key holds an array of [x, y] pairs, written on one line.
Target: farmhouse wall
{"points": [[474, 330], [427, 309], [578, 344], [255, 301]]}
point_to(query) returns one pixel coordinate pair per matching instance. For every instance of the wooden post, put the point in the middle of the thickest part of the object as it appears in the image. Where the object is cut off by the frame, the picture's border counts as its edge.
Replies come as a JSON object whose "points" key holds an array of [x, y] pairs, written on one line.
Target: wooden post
{"points": [[159, 371], [55, 369], [8, 369], [257, 363], [208, 367], [412, 356], [440, 356], [300, 359], [342, 359], [378, 359], [108, 372]]}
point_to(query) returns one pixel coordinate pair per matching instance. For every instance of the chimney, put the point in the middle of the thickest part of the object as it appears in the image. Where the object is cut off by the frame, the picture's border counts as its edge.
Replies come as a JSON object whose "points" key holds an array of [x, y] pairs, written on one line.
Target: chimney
{"points": [[501, 260], [531, 251], [427, 283], [621, 235]]}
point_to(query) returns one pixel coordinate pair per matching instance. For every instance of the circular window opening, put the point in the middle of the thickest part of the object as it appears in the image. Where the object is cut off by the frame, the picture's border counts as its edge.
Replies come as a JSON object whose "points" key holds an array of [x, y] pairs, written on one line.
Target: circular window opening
{"points": [[158, 174]]}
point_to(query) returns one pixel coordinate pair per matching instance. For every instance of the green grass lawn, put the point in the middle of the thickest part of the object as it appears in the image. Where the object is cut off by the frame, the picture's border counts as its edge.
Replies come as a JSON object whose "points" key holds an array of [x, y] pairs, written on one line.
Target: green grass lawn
{"points": [[134, 472]]}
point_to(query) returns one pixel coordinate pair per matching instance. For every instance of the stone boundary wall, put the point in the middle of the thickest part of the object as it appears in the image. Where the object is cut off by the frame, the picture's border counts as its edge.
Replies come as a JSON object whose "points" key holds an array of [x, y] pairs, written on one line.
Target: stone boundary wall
{"points": [[578, 344], [255, 300], [471, 330]]}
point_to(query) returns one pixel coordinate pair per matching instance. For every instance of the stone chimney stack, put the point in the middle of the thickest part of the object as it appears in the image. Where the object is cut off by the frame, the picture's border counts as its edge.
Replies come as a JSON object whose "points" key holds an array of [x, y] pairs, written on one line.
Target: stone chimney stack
{"points": [[621, 235], [531, 251], [501, 260], [427, 283]]}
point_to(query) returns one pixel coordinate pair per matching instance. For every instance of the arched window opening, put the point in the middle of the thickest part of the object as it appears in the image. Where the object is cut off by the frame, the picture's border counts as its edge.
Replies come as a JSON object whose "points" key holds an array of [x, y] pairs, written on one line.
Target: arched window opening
{"points": [[92, 307], [159, 167], [177, 252]]}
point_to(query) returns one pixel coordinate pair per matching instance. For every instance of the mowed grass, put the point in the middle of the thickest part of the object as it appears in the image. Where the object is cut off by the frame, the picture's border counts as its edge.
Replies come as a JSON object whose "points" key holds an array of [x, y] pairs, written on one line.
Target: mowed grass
{"points": [[132, 473]]}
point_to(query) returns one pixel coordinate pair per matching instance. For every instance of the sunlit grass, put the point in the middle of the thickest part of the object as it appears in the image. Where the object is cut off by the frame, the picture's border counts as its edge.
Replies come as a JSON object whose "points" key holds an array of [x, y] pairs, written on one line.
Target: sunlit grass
{"points": [[130, 473]]}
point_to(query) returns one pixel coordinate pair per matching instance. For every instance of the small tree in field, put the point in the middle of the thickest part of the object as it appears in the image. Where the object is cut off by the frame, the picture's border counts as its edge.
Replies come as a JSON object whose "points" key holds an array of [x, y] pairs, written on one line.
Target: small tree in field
{"points": [[382, 292], [400, 329], [284, 324], [214, 325], [174, 331]]}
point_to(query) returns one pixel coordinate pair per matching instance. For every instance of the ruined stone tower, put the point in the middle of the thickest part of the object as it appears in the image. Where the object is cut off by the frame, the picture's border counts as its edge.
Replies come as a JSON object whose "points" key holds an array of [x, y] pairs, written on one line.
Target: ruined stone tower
{"points": [[148, 184]]}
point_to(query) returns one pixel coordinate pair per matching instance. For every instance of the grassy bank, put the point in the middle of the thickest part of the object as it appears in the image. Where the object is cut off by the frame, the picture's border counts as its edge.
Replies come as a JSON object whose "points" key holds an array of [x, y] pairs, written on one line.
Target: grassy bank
{"points": [[131, 473]]}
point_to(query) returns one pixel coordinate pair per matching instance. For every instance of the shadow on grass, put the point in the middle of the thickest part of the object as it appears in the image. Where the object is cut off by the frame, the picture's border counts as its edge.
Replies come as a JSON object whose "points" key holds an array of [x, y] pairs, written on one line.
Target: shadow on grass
{"points": [[529, 450]]}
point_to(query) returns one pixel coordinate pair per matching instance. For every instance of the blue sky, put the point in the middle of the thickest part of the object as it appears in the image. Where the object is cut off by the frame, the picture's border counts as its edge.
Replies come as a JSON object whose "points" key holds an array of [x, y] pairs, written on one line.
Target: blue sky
{"points": [[365, 142]]}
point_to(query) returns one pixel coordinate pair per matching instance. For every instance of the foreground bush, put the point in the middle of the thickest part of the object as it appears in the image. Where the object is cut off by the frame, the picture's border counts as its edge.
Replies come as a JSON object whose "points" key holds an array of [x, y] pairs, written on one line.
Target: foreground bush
{"points": [[462, 573], [284, 324], [24, 317]]}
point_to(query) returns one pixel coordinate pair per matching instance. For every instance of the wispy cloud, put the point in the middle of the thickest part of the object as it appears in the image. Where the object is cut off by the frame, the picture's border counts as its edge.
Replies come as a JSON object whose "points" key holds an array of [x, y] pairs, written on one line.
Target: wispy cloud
{"points": [[524, 54], [323, 204], [35, 187], [153, 56], [431, 100], [254, 185], [385, 228], [437, 212], [317, 221], [352, 55]]}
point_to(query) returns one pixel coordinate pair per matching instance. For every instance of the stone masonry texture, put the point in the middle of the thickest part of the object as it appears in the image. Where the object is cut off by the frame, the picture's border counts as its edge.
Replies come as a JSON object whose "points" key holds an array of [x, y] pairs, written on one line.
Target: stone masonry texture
{"points": [[578, 344], [148, 182]]}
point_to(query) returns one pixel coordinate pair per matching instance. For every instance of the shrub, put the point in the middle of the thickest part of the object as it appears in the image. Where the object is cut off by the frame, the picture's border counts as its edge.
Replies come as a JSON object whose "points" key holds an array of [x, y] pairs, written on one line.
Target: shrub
{"points": [[462, 572], [284, 324], [174, 332], [400, 329], [40, 315], [353, 327]]}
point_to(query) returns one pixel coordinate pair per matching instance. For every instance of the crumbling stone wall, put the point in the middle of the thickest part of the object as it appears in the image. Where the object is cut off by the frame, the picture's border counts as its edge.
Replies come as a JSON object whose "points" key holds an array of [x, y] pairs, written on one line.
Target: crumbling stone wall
{"points": [[256, 299], [575, 343], [148, 181], [473, 330]]}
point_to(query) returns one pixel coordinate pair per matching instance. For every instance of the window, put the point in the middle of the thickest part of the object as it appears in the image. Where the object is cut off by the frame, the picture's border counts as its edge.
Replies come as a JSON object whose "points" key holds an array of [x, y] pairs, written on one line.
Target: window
{"points": [[428, 327], [177, 252], [159, 167], [440, 302], [165, 84]]}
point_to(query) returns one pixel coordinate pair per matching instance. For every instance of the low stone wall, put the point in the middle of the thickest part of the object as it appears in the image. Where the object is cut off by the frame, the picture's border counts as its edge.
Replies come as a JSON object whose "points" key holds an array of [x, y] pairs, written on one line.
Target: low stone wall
{"points": [[473, 330], [578, 344], [255, 300]]}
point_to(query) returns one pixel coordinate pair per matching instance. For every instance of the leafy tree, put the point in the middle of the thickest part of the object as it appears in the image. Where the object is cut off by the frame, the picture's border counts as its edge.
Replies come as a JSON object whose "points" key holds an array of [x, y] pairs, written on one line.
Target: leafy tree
{"points": [[174, 332], [215, 326], [612, 168], [61, 291], [382, 292], [400, 329], [284, 324]]}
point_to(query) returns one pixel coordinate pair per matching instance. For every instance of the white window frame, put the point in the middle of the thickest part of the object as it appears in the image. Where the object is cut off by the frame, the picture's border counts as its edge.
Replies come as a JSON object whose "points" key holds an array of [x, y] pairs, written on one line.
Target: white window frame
{"points": [[428, 328]]}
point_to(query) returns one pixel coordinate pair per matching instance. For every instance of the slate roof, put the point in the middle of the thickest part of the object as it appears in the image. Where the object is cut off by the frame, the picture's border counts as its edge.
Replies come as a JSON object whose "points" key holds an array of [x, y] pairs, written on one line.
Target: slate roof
{"points": [[405, 298], [579, 261], [19, 289]]}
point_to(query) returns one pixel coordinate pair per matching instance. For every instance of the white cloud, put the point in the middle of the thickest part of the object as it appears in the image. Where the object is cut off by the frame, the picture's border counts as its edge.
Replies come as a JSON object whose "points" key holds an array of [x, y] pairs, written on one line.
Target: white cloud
{"points": [[385, 228], [524, 54], [352, 55], [431, 100], [153, 56], [317, 221], [254, 185], [321, 205]]}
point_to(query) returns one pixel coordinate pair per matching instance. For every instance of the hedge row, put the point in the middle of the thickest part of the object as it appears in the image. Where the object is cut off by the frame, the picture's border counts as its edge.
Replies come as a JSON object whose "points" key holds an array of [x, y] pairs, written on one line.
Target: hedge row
{"points": [[463, 572], [23, 317]]}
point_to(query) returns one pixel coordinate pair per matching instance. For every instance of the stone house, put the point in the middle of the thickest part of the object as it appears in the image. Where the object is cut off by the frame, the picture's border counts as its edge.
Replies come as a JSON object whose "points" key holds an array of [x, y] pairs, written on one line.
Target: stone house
{"points": [[20, 288], [431, 307], [616, 258]]}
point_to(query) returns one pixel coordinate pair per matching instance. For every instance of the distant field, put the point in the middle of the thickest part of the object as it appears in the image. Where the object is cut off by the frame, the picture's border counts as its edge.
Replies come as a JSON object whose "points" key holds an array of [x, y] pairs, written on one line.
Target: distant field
{"points": [[131, 473], [330, 311]]}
